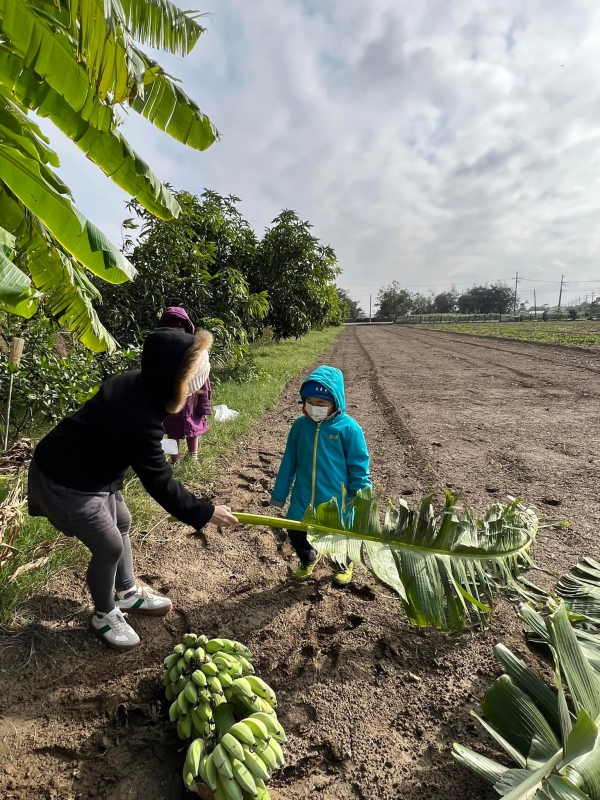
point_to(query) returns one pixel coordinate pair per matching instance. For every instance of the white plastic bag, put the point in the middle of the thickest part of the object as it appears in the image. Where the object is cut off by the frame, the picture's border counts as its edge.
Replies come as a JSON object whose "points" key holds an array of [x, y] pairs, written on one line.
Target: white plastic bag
{"points": [[170, 447], [223, 414]]}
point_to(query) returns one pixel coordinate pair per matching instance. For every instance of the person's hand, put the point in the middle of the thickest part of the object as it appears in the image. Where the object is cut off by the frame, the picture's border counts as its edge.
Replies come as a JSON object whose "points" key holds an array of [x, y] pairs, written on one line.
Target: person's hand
{"points": [[223, 518]]}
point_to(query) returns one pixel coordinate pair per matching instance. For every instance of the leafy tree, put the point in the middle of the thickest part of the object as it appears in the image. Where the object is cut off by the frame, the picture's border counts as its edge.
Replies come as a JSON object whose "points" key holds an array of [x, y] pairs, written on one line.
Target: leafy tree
{"points": [[497, 298], [421, 304], [76, 63], [352, 309], [298, 274], [393, 302], [196, 261], [445, 302], [594, 309]]}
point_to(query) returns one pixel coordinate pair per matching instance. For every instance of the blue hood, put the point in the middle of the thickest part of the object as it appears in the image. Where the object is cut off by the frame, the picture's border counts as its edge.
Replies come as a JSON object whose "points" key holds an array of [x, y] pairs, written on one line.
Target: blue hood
{"points": [[333, 380]]}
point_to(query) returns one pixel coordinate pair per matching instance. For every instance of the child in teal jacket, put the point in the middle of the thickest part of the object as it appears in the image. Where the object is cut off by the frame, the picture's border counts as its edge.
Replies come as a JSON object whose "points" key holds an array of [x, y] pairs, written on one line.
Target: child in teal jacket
{"points": [[325, 449]]}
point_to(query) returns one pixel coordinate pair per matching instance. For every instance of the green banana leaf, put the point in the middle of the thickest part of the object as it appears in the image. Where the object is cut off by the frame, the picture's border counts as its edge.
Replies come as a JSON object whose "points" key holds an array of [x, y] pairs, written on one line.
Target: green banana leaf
{"points": [[67, 290], [93, 131], [589, 641], [580, 589], [46, 49], [168, 108], [17, 296], [445, 566], [162, 25], [101, 61], [23, 159], [556, 748]]}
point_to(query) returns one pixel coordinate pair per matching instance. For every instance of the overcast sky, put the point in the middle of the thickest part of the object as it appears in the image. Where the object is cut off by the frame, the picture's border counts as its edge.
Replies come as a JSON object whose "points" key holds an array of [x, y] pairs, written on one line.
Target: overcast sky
{"points": [[429, 142]]}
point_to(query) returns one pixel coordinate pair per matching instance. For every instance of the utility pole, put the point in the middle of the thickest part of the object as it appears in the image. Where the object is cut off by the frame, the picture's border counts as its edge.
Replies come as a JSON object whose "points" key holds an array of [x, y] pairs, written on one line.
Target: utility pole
{"points": [[370, 301], [562, 278], [515, 300], [534, 304]]}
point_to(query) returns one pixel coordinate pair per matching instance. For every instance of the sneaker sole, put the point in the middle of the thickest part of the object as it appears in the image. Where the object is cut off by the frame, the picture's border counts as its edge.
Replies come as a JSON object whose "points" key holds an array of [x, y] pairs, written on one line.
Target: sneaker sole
{"points": [[342, 584], [118, 647], [147, 612]]}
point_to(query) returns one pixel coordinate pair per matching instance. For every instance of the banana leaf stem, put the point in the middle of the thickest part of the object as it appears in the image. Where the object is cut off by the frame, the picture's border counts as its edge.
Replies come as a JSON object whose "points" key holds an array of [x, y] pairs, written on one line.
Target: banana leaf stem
{"points": [[290, 524]]}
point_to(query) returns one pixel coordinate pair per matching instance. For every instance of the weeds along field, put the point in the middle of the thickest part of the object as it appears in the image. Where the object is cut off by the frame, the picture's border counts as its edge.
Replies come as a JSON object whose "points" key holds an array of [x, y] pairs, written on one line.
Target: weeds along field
{"points": [[575, 333], [370, 704]]}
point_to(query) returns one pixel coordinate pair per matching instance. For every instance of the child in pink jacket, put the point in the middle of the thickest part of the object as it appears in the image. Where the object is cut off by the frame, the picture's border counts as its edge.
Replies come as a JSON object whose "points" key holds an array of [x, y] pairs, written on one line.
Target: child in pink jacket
{"points": [[190, 422]]}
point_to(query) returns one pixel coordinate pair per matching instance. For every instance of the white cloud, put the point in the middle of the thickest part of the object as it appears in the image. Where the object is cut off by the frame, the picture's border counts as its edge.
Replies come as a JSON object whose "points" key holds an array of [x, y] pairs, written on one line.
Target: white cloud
{"points": [[427, 142]]}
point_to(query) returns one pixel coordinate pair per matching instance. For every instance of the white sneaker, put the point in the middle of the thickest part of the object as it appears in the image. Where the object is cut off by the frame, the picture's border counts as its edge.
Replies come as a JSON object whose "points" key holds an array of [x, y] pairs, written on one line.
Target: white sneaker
{"points": [[143, 600], [113, 630]]}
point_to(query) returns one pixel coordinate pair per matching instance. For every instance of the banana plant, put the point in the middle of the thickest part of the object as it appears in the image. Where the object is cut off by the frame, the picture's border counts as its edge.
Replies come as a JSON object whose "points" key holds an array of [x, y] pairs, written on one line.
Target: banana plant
{"points": [[554, 743], [445, 566], [76, 63]]}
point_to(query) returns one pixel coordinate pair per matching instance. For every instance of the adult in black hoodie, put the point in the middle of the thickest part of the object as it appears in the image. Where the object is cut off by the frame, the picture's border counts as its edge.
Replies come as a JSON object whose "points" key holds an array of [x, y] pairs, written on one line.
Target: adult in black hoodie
{"points": [[77, 473]]}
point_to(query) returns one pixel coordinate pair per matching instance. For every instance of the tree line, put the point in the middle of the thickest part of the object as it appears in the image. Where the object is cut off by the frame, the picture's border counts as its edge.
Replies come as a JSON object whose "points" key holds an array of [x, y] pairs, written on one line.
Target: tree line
{"points": [[230, 281], [393, 301]]}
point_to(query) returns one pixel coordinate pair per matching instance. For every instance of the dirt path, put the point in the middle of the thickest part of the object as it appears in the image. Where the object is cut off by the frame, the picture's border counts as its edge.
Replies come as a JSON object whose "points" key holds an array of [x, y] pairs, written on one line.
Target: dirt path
{"points": [[370, 705]]}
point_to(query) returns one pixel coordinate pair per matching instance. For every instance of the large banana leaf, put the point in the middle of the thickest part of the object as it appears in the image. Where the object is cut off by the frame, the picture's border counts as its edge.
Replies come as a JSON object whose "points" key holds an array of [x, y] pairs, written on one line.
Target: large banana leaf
{"points": [[445, 566], [46, 49], [168, 107], [93, 131], [68, 292], [556, 748], [24, 170], [74, 61]]}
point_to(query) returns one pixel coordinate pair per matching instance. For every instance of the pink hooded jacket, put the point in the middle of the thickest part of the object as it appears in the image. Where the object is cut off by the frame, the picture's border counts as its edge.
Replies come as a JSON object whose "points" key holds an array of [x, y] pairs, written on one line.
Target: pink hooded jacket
{"points": [[191, 420]]}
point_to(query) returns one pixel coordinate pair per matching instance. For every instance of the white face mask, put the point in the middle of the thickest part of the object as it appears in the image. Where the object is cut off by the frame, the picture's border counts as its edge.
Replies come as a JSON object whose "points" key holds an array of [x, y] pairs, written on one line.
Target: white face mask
{"points": [[317, 413]]}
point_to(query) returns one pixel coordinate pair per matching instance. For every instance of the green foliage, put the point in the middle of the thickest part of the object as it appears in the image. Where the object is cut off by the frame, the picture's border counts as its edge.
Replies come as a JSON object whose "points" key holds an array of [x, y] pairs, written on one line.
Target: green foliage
{"points": [[393, 302], [55, 377], [199, 261], [77, 64], [584, 334], [297, 273], [350, 307], [498, 298], [552, 737], [445, 303]]}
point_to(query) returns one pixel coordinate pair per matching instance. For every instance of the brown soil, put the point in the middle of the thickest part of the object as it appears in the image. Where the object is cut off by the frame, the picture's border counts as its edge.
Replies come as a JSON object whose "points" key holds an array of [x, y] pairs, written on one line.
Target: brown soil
{"points": [[371, 706]]}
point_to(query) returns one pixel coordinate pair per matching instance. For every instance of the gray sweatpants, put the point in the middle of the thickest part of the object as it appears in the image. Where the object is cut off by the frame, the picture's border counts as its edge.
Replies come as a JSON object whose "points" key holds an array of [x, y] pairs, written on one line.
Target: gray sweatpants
{"points": [[100, 520]]}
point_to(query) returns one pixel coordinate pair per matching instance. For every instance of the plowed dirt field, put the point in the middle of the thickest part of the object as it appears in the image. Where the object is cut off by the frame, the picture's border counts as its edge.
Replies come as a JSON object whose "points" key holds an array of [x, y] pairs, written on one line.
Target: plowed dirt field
{"points": [[371, 706]]}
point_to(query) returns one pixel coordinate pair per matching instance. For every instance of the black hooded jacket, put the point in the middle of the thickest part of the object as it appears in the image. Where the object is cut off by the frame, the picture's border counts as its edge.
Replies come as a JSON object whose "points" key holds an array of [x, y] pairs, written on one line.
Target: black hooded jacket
{"points": [[122, 426]]}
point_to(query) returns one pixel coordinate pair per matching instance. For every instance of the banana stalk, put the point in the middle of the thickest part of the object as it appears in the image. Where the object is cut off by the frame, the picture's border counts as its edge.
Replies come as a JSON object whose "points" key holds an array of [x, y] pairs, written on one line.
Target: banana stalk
{"points": [[224, 719]]}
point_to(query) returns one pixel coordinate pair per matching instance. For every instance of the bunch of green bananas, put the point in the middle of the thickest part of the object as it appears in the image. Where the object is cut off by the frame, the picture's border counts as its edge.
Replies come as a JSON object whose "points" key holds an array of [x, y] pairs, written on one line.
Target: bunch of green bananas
{"points": [[197, 675], [240, 765], [229, 712]]}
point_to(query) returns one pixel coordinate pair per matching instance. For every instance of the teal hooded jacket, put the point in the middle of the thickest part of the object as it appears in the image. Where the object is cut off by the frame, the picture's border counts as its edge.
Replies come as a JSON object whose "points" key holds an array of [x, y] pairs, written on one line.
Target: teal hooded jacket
{"points": [[320, 457]]}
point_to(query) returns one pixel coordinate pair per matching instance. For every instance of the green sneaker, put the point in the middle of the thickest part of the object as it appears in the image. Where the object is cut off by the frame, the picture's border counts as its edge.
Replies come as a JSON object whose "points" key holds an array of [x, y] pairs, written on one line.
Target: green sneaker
{"points": [[304, 571], [344, 575]]}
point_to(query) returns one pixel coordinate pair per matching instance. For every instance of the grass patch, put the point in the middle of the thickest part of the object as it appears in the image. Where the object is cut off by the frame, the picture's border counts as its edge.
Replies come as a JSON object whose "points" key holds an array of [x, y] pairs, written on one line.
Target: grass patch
{"points": [[576, 333], [277, 362]]}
